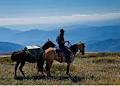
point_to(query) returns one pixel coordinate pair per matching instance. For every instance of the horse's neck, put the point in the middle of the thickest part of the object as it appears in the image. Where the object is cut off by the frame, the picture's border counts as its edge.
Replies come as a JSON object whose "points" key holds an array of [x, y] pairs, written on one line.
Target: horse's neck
{"points": [[74, 49], [44, 47]]}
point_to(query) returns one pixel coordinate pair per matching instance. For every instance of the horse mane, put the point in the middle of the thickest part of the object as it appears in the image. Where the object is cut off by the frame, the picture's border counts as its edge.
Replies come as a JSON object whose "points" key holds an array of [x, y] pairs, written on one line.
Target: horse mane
{"points": [[83, 44], [48, 44]]}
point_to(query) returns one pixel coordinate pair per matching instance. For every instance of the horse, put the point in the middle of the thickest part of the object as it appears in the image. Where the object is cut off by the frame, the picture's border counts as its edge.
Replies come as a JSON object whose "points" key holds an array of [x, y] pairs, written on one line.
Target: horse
{"points": [[51, 54], [20, 57]]}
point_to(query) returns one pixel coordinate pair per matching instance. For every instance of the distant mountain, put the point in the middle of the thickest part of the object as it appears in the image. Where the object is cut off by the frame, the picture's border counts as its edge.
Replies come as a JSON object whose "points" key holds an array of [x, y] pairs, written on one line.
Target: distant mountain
{"points": [[73, 33], [7, 47], [6, 34], [35, 36], [109, 45], [93, 33]]}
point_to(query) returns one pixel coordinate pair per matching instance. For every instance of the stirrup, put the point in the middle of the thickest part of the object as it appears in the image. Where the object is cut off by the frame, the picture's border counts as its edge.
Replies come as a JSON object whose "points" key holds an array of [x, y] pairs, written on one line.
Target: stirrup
{"points": [[61, 60]]}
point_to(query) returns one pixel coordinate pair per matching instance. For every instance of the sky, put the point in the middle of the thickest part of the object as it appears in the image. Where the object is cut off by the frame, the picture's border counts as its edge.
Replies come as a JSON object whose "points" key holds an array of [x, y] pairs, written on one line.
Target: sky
{"points": [[22, 12]]}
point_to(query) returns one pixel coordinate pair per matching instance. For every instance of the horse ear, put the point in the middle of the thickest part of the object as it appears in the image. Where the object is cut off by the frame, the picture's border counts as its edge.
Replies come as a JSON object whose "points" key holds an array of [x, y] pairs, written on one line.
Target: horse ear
{"points": [[48, 39], [80, 42]]}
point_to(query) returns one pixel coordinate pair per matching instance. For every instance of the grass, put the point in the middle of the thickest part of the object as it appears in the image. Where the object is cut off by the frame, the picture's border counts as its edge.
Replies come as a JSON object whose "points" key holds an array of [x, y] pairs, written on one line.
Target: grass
{"points": [[91, 69]]}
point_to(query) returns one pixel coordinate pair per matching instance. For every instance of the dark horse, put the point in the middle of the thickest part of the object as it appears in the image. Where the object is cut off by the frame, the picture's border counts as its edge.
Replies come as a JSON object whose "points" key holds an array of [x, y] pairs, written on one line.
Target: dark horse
{"points": [[22, 56], [52, 54]]}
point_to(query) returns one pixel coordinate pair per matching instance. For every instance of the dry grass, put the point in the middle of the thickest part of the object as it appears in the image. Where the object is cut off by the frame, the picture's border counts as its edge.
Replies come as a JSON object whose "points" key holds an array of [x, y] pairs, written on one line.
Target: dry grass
{"points": [[91, 69]]}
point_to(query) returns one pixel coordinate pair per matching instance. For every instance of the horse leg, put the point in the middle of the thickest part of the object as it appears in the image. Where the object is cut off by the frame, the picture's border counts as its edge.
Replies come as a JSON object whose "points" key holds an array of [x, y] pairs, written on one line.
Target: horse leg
{"points": [[68, 67], [48, 66], [40, 67], [40, 63], [16, 66], [21, 66]]}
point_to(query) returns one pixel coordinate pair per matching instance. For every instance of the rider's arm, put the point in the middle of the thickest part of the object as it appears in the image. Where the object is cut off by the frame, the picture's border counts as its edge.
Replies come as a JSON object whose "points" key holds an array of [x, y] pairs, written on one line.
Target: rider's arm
{"points": [[63, 41], [67, 41]]}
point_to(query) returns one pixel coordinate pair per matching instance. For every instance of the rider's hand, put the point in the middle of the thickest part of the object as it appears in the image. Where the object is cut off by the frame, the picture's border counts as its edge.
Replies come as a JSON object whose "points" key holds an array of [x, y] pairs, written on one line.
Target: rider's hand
{"points": [[68, 41]]}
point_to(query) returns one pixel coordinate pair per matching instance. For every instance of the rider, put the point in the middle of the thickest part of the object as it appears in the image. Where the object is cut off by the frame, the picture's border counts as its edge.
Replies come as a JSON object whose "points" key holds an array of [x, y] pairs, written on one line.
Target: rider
{"points": [[61, 42]]}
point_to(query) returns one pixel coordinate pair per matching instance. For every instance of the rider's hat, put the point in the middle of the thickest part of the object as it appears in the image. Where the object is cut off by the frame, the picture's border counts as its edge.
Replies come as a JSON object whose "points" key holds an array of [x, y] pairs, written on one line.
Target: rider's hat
{"points": [[62, 30]]}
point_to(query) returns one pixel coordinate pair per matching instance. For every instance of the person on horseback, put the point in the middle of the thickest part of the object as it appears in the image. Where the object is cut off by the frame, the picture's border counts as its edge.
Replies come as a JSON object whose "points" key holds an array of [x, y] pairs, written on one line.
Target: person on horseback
{"points": [[61, 42]]}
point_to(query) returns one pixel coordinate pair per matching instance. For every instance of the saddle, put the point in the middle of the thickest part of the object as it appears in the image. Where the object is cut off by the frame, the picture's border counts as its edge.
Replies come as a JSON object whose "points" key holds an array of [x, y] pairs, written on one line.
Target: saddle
{"points": [[63, 53], [33, 52], [60, 54]]}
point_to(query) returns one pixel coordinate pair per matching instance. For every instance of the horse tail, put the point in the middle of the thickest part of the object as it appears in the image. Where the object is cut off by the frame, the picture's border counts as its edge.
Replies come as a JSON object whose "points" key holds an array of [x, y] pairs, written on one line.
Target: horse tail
{"points": [[14, 56]]}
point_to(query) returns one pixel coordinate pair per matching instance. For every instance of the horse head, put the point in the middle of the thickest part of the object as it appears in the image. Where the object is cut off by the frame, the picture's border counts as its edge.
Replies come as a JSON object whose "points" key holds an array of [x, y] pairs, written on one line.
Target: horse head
{"points": [[48, 44], [78, 46], [81, 47]]}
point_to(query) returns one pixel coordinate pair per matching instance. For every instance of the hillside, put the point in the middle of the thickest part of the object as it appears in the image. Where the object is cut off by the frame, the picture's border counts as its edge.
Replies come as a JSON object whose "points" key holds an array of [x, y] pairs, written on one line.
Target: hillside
{"points": [[109, 45], [6, 47], [34, 36], [74, 33], [6, 34], [91, 69]]}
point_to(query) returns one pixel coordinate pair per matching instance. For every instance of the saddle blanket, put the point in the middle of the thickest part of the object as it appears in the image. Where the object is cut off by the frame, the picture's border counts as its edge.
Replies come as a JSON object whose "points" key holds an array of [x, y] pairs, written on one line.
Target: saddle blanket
{"points": [[34, 51], [32, 47], [64, 55]]}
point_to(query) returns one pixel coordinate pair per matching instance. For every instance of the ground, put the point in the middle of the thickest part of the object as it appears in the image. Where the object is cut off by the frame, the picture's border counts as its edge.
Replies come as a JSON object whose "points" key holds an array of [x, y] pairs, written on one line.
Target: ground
{"points": [[91, 69]]}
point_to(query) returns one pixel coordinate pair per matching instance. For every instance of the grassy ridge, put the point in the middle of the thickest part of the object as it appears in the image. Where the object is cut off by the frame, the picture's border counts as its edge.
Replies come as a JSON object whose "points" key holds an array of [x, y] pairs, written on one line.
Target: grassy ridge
{"points": [[93, 68]]}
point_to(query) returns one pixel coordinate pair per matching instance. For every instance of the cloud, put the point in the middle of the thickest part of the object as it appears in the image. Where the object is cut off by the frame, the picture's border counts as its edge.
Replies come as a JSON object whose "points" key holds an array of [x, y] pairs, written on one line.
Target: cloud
{"points": [[81, 18]]}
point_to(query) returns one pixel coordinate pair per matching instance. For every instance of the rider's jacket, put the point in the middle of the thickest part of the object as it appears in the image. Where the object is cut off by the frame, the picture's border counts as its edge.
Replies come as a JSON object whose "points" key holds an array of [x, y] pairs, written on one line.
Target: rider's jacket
{"points": [[60, 40]]}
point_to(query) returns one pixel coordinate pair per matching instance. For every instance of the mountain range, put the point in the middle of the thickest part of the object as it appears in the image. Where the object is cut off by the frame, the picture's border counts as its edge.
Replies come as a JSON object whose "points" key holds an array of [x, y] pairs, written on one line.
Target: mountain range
{"points": [[96, 38], [109, 45], [7, 47]]}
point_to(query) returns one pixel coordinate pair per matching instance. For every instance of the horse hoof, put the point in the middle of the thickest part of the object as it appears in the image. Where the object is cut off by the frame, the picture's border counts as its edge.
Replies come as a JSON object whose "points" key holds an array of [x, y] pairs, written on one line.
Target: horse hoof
{"points": [[67, 73], [24, 77], [15, 77], [49, 75], [43, 75]]}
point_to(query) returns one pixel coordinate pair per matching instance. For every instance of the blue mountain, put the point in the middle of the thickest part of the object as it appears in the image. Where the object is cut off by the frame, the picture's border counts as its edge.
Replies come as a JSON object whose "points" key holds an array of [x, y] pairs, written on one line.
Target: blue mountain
{"points": [[7, 47], [109, 45], [91, 35], [6, 34]]}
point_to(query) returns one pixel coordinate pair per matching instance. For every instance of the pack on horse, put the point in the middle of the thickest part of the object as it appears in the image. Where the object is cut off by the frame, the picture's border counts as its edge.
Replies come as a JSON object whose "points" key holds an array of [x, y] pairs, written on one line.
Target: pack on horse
{"points": [[63, 54], [20, 57]]}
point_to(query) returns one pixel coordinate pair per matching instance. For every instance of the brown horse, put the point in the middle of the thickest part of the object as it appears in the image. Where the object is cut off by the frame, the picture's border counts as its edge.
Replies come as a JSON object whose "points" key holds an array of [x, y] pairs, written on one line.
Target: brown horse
{"points": [[23, 56], [51, 55]]}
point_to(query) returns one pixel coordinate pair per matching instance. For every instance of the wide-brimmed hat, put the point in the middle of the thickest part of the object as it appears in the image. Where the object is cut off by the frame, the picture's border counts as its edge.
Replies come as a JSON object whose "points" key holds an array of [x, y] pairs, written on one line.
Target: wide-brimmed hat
{"points": [[62, 30]]}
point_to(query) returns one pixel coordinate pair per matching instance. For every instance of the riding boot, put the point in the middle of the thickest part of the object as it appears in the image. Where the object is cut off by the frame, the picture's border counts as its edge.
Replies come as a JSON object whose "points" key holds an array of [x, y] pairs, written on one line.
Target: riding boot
{"points": [[59, 55], [68, 59], [61, 59]]}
